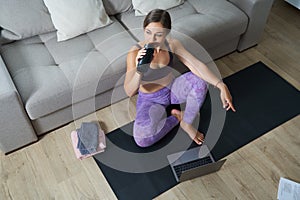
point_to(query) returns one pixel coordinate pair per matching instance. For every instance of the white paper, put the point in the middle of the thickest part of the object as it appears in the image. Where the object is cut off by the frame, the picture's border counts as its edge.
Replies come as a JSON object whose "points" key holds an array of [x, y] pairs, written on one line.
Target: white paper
{"points": [[288, 190]]}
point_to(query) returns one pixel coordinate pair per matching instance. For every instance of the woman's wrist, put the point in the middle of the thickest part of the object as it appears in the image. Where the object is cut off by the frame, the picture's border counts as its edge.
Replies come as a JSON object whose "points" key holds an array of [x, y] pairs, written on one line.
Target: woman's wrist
{"points": [[219, 84]]}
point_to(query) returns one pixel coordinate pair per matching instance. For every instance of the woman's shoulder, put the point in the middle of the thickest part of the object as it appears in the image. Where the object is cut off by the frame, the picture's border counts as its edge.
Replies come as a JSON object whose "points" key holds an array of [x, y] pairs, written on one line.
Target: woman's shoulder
{"points": [[135, 47], [138, 45], [174, 43]]}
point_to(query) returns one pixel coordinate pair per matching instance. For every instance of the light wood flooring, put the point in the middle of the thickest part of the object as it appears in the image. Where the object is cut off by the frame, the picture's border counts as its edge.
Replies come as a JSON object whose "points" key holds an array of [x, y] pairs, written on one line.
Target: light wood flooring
{"points": [[48, 169]]}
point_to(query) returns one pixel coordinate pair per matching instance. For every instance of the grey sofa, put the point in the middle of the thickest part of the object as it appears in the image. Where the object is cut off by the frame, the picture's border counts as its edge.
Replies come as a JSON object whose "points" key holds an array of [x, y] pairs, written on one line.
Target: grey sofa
{"points": [[45, 84]]}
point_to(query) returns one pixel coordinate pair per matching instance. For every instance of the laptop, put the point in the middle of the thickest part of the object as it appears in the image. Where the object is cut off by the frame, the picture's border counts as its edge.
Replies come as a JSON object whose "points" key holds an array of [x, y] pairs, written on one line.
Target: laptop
{"points": [[192, 163]]}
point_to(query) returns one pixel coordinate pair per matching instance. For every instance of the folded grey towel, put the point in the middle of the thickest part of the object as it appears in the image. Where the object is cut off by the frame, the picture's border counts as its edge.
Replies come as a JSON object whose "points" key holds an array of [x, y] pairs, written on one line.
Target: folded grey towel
{"points": [[88, 135]]}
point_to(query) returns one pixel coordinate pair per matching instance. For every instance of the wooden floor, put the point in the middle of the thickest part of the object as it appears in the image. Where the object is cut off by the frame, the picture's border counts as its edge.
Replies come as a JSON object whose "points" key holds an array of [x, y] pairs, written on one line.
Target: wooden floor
{"points": [[49, 170]]}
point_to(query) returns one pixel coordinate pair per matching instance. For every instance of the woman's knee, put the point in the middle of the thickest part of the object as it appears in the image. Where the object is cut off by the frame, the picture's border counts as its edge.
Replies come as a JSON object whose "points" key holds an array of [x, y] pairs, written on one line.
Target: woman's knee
{"points": [[143, 136], [200, 83], [143, 141]]}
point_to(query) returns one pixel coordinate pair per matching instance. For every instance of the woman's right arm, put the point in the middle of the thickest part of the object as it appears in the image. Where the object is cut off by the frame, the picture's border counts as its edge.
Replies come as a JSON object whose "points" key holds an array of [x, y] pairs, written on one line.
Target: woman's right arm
{"points": [[132, 77]]}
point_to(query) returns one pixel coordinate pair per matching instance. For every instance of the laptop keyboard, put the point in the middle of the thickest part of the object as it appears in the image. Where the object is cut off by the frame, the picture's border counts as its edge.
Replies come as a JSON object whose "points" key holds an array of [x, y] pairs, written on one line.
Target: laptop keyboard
{"points": [[192, 164]]}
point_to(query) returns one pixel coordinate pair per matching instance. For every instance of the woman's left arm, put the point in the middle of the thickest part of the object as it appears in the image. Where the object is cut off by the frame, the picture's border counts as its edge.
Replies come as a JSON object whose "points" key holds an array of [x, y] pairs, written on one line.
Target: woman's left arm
{"points": [[201, 70]]}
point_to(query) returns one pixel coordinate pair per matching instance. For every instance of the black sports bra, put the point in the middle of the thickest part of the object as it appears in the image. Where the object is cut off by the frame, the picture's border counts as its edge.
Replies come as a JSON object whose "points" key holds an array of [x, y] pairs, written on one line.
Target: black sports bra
{"points": [[155, 74]]}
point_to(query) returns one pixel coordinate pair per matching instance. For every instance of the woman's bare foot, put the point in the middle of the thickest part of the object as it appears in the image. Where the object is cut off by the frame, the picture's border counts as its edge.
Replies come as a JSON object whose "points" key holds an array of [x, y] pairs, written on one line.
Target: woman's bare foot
{"points": [[199, 139], [188, 128]]}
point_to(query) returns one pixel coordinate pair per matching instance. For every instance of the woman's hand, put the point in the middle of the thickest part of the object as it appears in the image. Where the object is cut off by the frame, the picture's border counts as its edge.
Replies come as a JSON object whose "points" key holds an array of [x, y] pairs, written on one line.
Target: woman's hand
{"points": [[226, 97], [140, 55]]}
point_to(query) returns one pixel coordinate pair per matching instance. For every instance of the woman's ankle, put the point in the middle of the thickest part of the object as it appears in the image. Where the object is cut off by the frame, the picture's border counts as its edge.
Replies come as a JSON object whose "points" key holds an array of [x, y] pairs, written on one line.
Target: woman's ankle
{"points": [[177, 113]]}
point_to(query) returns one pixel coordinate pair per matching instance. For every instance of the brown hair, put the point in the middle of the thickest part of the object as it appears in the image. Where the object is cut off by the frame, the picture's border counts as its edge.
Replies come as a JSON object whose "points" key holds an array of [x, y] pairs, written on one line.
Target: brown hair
{"points": [[158, 15]]}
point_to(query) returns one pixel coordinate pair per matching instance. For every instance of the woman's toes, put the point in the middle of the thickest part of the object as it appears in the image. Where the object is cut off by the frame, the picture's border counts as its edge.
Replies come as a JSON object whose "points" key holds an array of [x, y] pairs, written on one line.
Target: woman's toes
{"points": [[199, 138]]}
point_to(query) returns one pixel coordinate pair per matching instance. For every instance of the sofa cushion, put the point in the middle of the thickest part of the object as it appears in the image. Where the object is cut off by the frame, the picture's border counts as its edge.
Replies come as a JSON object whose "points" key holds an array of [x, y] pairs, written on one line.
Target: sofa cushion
{"points": [[58, 49], [49, 77], [75, 17], [208, 22], [114, 7], [142, 7], [23, 19]]}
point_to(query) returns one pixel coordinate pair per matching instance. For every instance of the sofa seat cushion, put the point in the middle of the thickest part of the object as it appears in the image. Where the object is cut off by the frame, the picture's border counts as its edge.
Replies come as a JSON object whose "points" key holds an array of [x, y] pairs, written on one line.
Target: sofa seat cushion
{"points": [[51, 75], [208, 22]]}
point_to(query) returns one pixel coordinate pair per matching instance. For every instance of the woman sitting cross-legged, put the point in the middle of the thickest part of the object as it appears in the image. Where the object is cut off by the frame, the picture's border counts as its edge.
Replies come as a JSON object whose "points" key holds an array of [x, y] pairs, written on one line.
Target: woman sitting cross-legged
{"points": [[157, 87]]}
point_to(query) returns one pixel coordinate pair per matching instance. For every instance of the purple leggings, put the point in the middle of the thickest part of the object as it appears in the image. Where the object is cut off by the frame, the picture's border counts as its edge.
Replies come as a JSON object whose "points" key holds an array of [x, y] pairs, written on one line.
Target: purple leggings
{"points": [[151, 123]]}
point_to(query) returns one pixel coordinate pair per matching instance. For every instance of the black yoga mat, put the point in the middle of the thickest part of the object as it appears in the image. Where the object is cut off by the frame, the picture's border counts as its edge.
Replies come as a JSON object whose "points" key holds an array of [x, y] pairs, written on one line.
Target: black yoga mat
{"points": [[263, 101]]}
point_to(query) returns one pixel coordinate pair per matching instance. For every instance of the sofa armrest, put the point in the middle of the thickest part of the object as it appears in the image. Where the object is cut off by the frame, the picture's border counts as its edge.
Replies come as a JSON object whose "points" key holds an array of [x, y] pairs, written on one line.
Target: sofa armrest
{"points": [[257, 12], [15, 127]]}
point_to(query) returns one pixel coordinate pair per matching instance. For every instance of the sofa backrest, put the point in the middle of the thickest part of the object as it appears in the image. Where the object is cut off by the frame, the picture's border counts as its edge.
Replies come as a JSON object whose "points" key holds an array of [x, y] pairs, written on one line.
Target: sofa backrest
{"points": [[114, 7], [21, 19]]}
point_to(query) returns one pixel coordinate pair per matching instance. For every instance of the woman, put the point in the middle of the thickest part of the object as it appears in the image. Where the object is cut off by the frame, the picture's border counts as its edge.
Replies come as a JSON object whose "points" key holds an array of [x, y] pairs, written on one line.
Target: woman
{"points": [[157, 88]]}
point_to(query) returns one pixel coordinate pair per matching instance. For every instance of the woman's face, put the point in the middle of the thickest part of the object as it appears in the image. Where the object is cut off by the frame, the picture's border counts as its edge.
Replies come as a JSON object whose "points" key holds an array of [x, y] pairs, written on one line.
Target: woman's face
{"points": [[155, 33]]}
